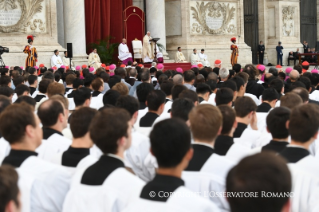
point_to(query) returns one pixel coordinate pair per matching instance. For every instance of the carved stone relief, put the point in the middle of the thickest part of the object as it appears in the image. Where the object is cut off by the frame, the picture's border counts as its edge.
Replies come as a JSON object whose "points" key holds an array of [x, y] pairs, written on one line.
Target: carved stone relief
{"points": [[288, 26], [209, 17], [22, 16]]}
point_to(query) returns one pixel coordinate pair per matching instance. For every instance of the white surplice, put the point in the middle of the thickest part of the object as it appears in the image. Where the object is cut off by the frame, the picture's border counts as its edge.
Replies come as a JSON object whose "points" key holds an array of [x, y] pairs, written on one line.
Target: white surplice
{"points": [[56, 61], [66, 62], [195, 60], [179, 57], [94, 60], [204, 60], [124, 52]]}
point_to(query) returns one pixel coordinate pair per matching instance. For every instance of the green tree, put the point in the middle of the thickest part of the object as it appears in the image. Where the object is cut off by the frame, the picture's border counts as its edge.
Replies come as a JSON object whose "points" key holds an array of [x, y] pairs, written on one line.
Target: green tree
{"points": [[106, 50]]}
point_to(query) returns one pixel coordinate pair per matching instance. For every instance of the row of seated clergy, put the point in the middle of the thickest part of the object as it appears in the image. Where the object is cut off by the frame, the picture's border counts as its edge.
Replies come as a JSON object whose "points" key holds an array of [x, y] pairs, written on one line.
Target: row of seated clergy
{"points": [[196, 58]]}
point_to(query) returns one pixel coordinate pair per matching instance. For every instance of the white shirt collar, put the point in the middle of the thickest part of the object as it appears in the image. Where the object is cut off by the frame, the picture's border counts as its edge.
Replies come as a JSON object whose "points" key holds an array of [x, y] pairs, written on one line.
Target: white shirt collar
{"points": [[115, 156]]}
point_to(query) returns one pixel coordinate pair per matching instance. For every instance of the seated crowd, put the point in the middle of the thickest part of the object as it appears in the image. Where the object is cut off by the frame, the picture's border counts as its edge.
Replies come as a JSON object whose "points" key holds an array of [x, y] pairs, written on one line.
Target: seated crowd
{"points": [[137, 139]]}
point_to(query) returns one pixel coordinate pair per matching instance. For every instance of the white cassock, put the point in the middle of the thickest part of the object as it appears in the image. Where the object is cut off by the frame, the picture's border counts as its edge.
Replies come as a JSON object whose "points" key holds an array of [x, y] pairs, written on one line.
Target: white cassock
{"points": [[148, 49], [55, 144], [113, 195], [43, 185], [66, 62], [183, 200], [94, 60], [124, 52], [4, 148], [204, 60], [56, 61], [97, 102], [159, 54], [195, 59], [179, 57]]}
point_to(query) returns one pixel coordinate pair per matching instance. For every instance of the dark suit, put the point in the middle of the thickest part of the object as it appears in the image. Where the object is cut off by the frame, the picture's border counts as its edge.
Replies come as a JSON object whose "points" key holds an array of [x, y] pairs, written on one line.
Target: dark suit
{"points": [[148, 119], [130, 81], [305, 48], [263, 108], [261, 52], [279, 54], [276, 146]]}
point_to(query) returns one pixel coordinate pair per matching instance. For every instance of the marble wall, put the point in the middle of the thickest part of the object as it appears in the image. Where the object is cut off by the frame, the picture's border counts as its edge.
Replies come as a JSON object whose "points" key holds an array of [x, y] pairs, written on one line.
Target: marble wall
{"points": [[174, 16]]}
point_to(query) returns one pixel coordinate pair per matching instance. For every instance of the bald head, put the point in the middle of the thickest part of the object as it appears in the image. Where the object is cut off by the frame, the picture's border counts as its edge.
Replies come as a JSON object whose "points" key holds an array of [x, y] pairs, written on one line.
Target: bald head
{"points": [[49, 112], [178, 79], [123, 40], [294, 75]]}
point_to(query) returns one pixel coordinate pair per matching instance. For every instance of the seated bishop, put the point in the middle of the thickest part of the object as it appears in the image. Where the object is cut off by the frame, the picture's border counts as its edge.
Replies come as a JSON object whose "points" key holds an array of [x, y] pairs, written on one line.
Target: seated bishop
{"points": [[159, 55], [203, 58], [195, 59], [94, 59], [124, 53], [56, 60], [167, 191], [179, 57], [105, 184]]}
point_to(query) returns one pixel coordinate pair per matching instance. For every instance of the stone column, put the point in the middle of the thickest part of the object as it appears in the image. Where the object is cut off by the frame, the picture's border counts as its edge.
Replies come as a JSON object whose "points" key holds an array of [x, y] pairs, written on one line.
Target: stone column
{"points": [[74, 28], [155, 21]]}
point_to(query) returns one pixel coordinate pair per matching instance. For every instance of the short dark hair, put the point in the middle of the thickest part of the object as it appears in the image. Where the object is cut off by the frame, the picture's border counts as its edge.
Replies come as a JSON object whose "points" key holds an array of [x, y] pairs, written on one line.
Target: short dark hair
{"points": [[224, 96], [273, 71], [80, 121], [5, 80], [14, 120], [55, 88], [212, 84], [20, 89], [49, 112], [192, 95], [88, 80], [189, 76], [128, 103], [155, 99], [27, 99], [4, 102], [270, 94], [176, 90], [203, 88], [306, 81], [239, 82], [229, 118], [142, 91], [237, 67], [216, 71], [277, 84], [6, 91], [145, 75], [32, 70], [107, 127], [290, 100], [96, 84], [276, 122], [244, 105], [9, 186], [298, 67], [229, 84], [181, 108], [172, 138], [81, 95], [166, 87], [162, 78], [304, 122], [43, 85], [18, 80], [77, 83], [48, 75], [69, 79], [263, 172], [32, 79], [110, 97], [302, 92]]}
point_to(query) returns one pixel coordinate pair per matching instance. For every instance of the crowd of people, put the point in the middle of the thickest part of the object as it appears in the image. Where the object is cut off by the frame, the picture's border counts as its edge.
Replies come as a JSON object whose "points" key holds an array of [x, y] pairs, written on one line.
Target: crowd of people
{"points": [[129, 138]]}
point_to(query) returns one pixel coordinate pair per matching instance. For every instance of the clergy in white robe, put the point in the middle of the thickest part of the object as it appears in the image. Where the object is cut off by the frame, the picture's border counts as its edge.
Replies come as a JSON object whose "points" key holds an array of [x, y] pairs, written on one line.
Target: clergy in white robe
{"points": [[148, 49], [94, 59], [124, 53], [43, 185], [179, 56], [56, 60], [66, 60], [195, 60], [203, 58], [105, 185]]}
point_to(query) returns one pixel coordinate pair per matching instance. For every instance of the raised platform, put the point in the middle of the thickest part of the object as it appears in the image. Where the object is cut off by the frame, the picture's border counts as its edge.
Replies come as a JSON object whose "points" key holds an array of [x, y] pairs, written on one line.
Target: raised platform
{"points": [[172, 66]]}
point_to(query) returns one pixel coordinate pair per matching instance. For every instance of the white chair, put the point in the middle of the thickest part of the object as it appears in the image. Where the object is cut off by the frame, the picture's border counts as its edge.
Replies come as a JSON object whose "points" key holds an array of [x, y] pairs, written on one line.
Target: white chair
{"points": [[137, 49]]}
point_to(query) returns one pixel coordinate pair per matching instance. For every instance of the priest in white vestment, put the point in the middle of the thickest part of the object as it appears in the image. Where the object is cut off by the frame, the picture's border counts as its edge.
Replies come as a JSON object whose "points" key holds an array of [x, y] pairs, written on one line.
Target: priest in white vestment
{"points": [[179, 57], [159, 55], [195, 60], [66, 60], [124, 53], [203, 58], [148, 49], [56, 60], [94, 60]]}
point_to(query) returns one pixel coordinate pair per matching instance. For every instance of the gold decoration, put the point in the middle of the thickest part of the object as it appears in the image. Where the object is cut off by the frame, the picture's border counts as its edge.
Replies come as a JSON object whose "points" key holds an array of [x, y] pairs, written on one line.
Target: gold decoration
{"points": [[34, 26], [288, 20], [214, 10], [28, 10]]}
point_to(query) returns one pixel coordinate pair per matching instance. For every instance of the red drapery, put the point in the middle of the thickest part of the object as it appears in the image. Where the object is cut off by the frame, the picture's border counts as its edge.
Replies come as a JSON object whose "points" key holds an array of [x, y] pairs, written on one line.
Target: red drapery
{"points": [[104, 18]]}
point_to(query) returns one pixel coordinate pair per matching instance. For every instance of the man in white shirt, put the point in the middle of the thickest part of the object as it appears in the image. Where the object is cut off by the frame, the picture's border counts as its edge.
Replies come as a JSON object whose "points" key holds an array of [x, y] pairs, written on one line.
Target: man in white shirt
{"points": [[43, 185], [56, 60], [195, 60], [203, 58], [105, 185], [179, 57], [166, 192], [54, 118], [124, 53]]}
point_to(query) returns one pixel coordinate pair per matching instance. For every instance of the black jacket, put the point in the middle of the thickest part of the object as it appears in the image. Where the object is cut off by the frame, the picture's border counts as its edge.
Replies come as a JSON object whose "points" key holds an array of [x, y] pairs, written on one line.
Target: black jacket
{"points": [[254, 88]]}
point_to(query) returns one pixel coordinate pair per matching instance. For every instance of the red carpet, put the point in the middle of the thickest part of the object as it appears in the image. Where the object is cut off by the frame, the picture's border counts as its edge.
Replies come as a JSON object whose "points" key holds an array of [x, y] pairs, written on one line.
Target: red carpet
{"points": [[173, 66]]}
